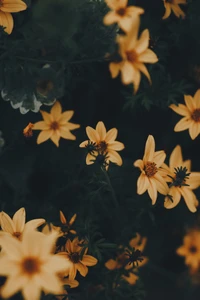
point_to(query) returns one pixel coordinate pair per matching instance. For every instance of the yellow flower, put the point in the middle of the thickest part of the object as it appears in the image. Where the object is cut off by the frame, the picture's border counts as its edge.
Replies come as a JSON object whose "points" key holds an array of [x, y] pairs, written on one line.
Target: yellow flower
{"points": [[72, 254], [121, 14], [191, 250], [134, 53], [173, 5], [29, 265], [121, 261], [190, 113], [55, 125], [17, 226], [103, 143], [66, 225], [6, 8], [182, 181], [150, 178], [28, 130]]}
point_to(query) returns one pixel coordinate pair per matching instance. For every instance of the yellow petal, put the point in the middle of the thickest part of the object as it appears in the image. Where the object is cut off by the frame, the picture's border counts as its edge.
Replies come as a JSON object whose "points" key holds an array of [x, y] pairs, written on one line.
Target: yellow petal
{"points": [[12, 6], [6, 20], [139, 164], [149, 149], [194, 180], [89, 159], [62, 218], [136, 81], [182, 251], [19, 219], [152, 191], [125, 22], [110, 18], [41, 125], [55, 137], [33, 224], [189, 198], [167, 10], [190, 102], [89, 260], [127, 72], [72, 220], [132, 35], [197, 99], [131, 278], [144, 70], [135, 241], [142, 184], [180, 109], [176, 158], [115, 69], [92, 134], [8, 243], [194, 130], [66, 116], [161, 185], [115, 157], [159, 157], [56, 111], [111, 264], [13, 285], [47, 117], [183, 124], [143, 42], [111, 135], [66, 134], [148, 56], [101, 129], [117, 146], [187, 164], [176, 197], [84, 144], [44, 136], [177, 11], [83, 270], [7, 223]]}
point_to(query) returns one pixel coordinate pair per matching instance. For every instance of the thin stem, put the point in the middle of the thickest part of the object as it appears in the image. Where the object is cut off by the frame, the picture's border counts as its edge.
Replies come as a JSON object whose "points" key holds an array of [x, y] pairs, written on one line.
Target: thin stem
{"points": [[110, 186]]}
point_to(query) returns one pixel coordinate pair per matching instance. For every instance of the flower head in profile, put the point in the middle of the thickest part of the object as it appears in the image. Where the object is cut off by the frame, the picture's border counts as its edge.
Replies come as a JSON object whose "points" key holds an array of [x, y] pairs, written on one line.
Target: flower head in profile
{"points": [[55, 125], [6, 8], [173, 6], [77, 260], [17, 226], [130, 260], [182, 181], [150, 178], [121, 13], [28, 130], [190, 113], [102, 144], [134, 54], [66, 226], [30, 266], [191, 250]]}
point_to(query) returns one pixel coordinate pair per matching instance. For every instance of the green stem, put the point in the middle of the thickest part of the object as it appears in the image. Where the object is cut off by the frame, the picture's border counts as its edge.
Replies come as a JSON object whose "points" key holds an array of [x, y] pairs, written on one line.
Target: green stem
{"points": [[110, 186]]}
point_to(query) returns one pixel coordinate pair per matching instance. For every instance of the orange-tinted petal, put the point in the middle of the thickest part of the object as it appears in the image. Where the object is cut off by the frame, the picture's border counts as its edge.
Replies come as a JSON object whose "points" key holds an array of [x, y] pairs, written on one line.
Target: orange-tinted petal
{"points": [[72, 220], [197, 99], [66, 116], [41, 125], [110, 18], [55, 137], [56, 110], [115, 69], [148, 56], [72, 272], [115, 157], [180, 109], [149, 149], [66, 134], [12, 6], [189, 101], [62, 218], [194, 180], [189, 198], [101, 129], [6, 20], [89, 260], [92, 134], [127, 72], [47, 117], [143, 42], [111, 135], [111, 264], [167, 10], [177, 11], [117, 146], [83, 270], [183, 124], [194, 130]]}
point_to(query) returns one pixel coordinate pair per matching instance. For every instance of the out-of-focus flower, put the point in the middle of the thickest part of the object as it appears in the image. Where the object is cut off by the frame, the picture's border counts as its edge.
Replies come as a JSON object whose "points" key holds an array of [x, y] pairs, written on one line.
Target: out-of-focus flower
{"points": [[190, 113], [102, 144], [191, 250], [173, 5], [77, 261], [134, 54], [181, 180], [130, 260], [6, 8], [28, 130], [29, 265], [150, 178], [17, 226], [121, 13], [55, 125]]}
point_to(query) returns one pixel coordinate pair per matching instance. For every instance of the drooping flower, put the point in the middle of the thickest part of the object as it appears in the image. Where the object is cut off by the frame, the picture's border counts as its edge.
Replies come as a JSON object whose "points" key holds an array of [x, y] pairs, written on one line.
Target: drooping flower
{"points": [[102, 143], [66, 227], [29, 265], [150, 178], [77, 261], [6, 8], [191, 250], [190, 113], [182, 181], [173, 5], [17, 226], [28, 130], [55, 125], [134, 53], [130, 261], [121, 13]]}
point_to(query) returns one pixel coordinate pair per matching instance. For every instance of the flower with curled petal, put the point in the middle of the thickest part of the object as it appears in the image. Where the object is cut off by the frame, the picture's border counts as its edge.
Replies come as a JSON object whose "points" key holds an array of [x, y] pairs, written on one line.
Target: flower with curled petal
{"points": [[150, 178], [173, 5], [55, 125], [134, 53], [30, 266], [190, 113], [121, 13], [17, 226], [182, 181], [103, 143], [6, 8]]}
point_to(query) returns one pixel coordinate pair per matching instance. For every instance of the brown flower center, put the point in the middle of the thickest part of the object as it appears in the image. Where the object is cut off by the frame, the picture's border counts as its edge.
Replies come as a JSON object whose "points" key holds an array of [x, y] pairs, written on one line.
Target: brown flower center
{"points": [[74, 257], [102, 147], [193, 249], [196, 115], [30, 265], [132, 56], [121, 11], [54, 125], [17, 234], [150, 169]]}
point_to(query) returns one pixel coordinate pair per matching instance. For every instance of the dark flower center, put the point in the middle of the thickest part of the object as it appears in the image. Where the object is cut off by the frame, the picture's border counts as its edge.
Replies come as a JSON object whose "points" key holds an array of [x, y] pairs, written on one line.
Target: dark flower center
{"points": [[134, 257], [181, 175], [121, 11], [17, 234], [193, 249], [30, 265], [196, 115], [102, 146], [74, 257], [131, 56], [54, 125], [150, 169]]}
